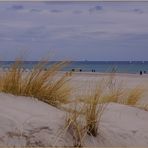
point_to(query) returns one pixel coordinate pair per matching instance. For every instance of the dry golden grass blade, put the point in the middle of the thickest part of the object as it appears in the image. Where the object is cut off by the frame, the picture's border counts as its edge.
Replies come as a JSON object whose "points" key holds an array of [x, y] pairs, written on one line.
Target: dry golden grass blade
{"points": [[38, 77], [56, 93], [94, 110], [11, 80], [115, 90], [42, 85], [39, 83], [76, 125], [134, 95], [144, 107]]}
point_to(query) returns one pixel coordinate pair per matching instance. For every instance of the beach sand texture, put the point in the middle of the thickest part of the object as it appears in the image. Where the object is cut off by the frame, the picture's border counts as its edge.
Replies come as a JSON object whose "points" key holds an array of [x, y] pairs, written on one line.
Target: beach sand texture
{"points": [[25, 121]]}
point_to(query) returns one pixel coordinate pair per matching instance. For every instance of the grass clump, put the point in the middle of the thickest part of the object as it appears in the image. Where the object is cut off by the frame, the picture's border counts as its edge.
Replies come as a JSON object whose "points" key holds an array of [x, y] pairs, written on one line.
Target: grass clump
{"points": [[38, 82], [115, 89], [11, 80], [134, 95], [144, 107], [85, 118], [94, 109], [76, 125]]}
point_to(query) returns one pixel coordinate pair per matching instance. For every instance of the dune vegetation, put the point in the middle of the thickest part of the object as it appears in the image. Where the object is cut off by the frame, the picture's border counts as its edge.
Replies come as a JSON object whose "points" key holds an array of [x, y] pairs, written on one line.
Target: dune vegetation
{"points": [[40, 82]]}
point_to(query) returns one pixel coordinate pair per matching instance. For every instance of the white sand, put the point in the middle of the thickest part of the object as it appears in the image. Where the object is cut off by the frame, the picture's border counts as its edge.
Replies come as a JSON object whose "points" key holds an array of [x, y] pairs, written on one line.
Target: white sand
{"points": [[27, 121]]}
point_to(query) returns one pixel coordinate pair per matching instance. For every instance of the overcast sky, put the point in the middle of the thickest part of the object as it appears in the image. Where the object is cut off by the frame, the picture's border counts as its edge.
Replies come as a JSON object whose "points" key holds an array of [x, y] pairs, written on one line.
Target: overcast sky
{"points": [[74, 30]]}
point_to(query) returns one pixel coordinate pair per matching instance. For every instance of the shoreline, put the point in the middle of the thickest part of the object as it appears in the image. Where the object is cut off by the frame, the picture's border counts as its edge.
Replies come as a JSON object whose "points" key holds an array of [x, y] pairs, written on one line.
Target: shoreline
{"points": [[93, 74], [106, 74]]}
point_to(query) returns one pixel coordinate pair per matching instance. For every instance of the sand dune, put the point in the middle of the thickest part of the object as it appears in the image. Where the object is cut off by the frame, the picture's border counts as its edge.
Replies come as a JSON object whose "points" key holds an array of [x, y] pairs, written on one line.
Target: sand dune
{"points": [[25, 121]]}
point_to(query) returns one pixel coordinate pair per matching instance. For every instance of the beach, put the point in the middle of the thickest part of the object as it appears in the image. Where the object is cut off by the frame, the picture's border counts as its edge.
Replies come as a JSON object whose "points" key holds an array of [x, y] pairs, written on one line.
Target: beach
{"points": [[85, 79], [73, 74], [26, 121]]}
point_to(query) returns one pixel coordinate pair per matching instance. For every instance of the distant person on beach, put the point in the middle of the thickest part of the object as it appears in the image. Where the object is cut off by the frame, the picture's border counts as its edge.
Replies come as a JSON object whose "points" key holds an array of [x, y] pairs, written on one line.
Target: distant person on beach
{"points": [[93, 70], [140, 72]]}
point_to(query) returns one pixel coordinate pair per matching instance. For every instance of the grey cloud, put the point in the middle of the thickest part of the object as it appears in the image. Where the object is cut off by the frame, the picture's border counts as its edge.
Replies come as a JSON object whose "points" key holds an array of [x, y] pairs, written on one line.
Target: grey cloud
{"points": [[77, 11], [69, 31], [56, 11], [96, 8], [53, 2], [17, 7], [96, 33], [138, 10], [38, 31], [135, 36], [35, 10], [62, 2]]}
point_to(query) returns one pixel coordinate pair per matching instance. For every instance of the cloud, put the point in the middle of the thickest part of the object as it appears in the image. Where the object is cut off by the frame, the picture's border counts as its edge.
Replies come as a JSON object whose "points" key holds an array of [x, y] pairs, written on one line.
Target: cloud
{"points": [[56, 11], [17, 7], [96, 8], [38, 26], [138, 10], [77, 11], [60, 2], [35, 10]]}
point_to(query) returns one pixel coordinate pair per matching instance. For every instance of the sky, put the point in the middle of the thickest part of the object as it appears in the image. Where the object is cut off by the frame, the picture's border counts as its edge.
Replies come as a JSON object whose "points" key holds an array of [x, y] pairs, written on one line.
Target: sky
{"points": [[94, 31]]}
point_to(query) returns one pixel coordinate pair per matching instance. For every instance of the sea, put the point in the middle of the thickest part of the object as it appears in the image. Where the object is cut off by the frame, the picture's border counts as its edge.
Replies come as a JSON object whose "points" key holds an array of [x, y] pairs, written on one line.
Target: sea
{"points": [[132, 67]]}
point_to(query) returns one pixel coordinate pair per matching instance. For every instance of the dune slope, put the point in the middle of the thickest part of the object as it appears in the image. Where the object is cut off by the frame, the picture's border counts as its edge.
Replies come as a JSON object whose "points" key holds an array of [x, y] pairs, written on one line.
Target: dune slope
{"points": [[26, 121]]}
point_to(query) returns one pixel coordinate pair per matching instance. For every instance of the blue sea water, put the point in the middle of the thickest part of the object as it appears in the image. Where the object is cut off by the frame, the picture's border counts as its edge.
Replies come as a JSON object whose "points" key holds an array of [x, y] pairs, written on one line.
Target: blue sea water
{"points": [[98, 66]]}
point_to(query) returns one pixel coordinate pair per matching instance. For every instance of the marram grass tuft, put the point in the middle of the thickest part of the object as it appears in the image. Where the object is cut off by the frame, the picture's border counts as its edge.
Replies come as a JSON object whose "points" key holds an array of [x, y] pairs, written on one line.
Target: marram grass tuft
{"points": [[46, 85]]}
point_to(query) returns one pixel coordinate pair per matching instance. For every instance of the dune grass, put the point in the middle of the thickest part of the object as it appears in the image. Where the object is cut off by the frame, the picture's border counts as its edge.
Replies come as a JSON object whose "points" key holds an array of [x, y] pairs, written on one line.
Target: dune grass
{"points": [[110, 90], [95, 101], [85, 117], [119, 94], [11, 80], [38, 82], [115, 90], [76, 126], [143, 106], [134, 95], [94, 110]]}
